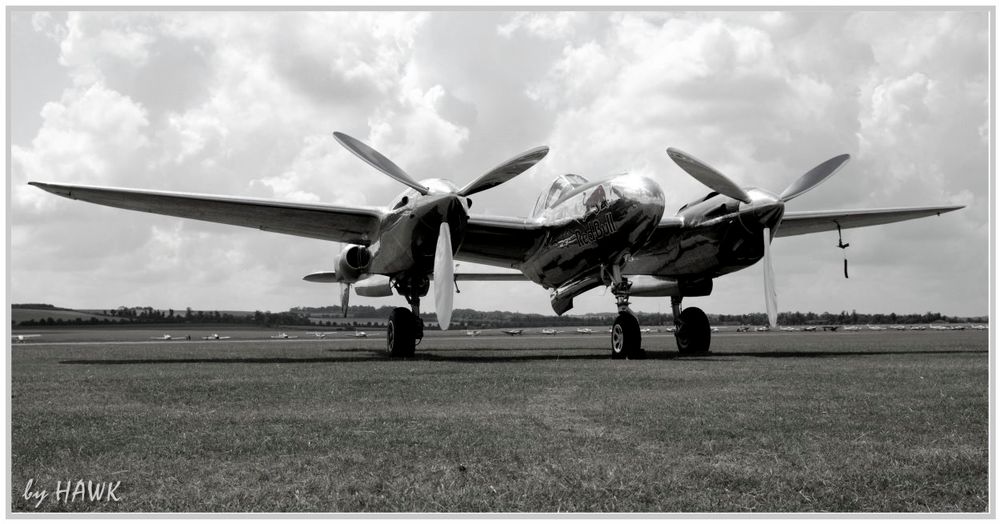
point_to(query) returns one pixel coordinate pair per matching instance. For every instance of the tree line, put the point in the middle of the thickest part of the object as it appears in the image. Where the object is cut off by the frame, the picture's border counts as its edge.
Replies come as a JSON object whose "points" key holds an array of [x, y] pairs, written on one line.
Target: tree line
{"points": [[461, 318]]}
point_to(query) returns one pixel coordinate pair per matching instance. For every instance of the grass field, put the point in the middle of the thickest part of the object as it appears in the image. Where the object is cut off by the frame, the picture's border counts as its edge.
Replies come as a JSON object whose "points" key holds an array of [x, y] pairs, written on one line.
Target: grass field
{"points": [[771, 422]]}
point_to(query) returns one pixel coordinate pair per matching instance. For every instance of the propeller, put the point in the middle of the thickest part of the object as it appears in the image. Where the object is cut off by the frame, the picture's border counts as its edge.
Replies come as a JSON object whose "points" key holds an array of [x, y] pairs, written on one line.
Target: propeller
{"points": [[707, 175], [379, 161], [444, 292], [444, 277], [505, 171], [814, 177], [345, 295], [716, 181], [496, 176], [770, 294]]}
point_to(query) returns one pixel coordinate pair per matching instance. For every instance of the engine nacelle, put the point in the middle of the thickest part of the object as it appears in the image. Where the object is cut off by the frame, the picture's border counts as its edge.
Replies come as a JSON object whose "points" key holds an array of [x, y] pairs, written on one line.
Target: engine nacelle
{"points": [[353, 263], [374, 286]]}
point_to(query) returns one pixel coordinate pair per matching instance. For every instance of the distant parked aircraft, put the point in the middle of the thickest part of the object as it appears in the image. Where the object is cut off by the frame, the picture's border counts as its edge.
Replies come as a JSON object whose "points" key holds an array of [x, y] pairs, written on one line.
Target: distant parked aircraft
{"points": [[550, 332], [978, 327], [513, 332], [215, 336], [875, 328], [809, 328], [21, 338], [472, 333], [164, 337], [789, 328], [852, 328], [283, 335], [585, 331], [360, 334]]}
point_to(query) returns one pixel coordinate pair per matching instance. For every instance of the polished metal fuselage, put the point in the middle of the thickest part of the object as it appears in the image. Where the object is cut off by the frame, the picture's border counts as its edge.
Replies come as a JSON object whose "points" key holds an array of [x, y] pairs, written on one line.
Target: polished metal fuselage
{"points": [[593, 226]]}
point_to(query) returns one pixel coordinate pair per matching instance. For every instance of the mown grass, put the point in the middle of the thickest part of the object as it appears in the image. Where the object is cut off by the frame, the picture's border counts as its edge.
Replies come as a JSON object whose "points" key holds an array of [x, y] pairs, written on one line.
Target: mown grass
{"points": [[880, 422]]}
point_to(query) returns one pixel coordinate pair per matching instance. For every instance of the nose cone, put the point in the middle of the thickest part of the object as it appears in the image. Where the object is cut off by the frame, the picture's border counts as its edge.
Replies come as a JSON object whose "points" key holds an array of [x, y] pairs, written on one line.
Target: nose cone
{"points": [[642, 193], [764, 211], [639, 206], [450, 209]]}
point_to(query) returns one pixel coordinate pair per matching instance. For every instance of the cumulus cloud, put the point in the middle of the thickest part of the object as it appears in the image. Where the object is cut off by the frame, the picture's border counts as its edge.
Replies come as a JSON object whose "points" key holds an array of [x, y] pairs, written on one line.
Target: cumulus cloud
{"points": [[88, 136]]}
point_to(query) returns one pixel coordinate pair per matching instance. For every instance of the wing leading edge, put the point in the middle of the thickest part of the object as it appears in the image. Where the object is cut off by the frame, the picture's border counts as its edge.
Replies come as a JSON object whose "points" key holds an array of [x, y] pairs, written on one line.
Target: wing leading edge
{"points": [[801, 223], [354, 225]]}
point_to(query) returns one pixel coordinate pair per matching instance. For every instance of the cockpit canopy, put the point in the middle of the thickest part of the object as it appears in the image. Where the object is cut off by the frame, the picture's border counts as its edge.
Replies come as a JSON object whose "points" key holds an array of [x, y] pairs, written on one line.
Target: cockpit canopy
{"points": [[559, 188]]}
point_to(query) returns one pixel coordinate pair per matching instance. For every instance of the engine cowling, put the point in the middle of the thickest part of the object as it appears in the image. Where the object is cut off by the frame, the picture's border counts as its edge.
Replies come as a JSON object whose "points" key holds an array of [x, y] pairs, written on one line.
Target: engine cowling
{"points": [[353, 263]]}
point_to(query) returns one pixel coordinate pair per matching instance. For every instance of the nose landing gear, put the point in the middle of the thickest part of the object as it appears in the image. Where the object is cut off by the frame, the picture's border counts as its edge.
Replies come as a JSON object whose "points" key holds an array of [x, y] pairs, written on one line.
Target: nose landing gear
{"points": [[626, 338]]}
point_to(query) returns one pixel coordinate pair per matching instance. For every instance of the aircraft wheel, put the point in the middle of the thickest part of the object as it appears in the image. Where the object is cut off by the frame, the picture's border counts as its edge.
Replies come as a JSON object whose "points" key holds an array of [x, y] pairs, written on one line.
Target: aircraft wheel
{"points": [[694, 334], [400, 335], [626, 339]]}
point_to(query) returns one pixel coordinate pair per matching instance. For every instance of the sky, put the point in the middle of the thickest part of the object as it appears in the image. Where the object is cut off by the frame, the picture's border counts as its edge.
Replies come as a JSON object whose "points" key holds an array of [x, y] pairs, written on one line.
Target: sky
{"points": [[244, 103]]}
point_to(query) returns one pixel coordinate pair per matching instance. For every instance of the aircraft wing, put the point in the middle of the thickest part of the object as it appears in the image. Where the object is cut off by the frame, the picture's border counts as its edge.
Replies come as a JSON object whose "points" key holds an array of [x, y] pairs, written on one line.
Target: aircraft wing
{"points": [[801, 223], [499, 241], [354, 225]]}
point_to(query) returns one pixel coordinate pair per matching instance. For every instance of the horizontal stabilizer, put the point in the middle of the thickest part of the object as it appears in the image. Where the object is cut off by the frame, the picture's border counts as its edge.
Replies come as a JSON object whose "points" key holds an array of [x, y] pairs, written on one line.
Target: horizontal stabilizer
{"points": [[326, 277], [492, 277]]}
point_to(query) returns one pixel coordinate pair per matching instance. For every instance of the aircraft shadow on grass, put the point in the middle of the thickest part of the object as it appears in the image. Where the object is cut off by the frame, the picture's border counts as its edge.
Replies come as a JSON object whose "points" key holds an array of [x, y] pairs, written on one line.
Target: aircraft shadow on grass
{"points": [[443, 356]]}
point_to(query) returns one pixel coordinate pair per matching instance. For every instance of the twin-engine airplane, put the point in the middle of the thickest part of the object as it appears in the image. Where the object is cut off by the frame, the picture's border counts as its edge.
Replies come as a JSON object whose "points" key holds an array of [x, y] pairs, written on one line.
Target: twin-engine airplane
{"points": [[581, 235]]}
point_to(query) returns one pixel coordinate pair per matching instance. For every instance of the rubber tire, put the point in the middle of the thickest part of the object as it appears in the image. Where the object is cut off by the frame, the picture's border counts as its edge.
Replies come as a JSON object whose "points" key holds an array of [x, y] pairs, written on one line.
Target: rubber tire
{"points": [[694, 334], [626, 338], [400, 336]]}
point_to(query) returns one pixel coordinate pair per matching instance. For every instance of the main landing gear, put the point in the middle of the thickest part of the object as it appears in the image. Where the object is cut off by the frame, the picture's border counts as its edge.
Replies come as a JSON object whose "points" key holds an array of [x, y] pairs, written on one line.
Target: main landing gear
{"points": [[406, 328], [692, 329], [626, 338]]}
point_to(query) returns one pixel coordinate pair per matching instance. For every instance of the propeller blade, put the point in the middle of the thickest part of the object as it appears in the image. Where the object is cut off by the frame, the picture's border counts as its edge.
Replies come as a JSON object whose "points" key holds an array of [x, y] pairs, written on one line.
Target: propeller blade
{"points": [[444, 277], [707, 175], [814, 177], [770, 295], [378, 161], [345, 295], [505, 171]]}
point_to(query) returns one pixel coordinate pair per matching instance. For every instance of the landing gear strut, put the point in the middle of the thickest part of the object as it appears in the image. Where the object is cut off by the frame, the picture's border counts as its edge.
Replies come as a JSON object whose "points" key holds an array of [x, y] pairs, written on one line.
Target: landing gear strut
{"points": [[692, 329], [626, 338], [406, 329]]}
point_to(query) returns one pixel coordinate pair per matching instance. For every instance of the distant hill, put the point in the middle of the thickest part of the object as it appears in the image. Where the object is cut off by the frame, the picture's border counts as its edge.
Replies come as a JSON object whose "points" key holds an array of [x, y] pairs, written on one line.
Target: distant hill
{"points": [[22, 314]]}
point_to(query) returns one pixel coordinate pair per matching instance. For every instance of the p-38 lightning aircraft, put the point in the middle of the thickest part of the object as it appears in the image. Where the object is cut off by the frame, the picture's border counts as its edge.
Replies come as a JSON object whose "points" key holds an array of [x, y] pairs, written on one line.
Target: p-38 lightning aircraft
{"points": [[581, 235]]}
